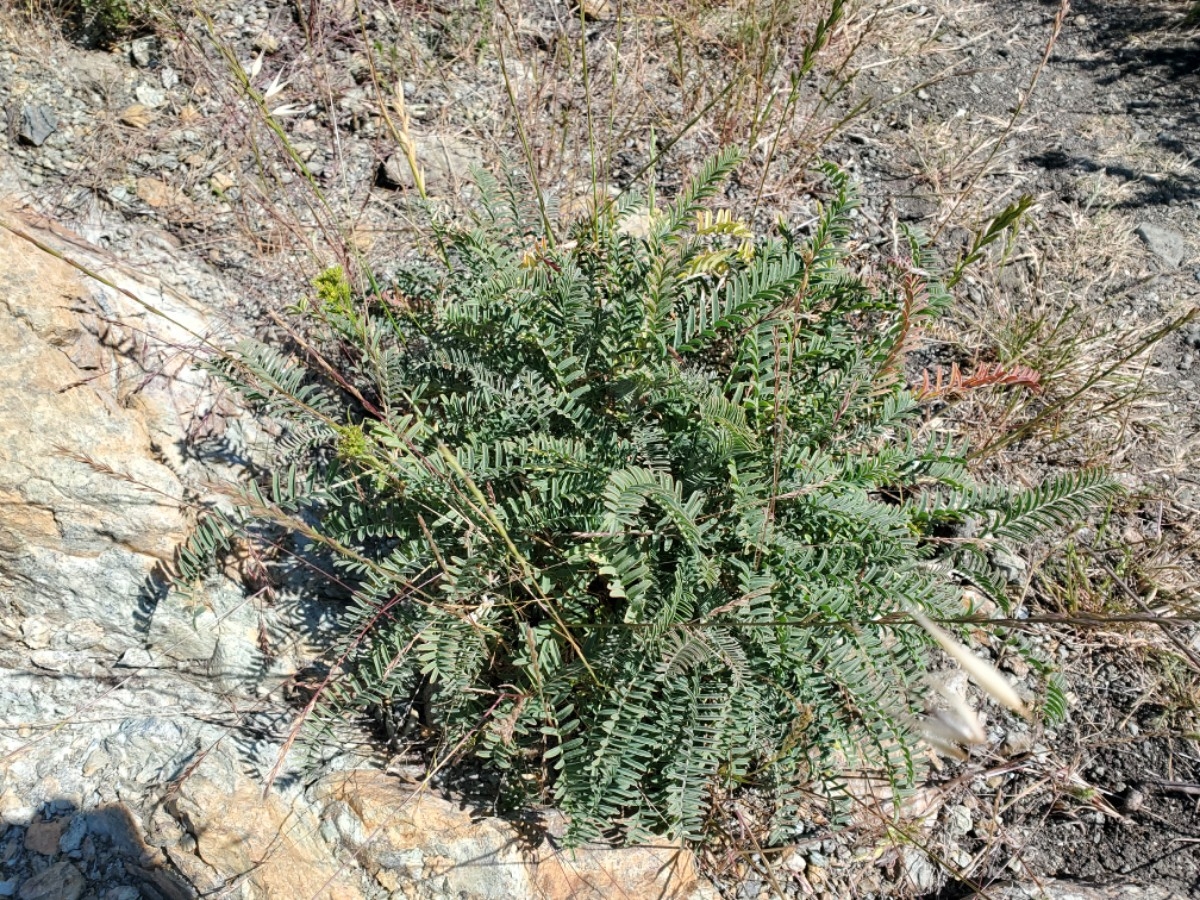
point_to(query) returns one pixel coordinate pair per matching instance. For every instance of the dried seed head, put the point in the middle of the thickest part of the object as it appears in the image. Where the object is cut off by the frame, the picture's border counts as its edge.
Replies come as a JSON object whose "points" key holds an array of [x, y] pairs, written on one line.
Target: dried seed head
{"points": [[136, 116], [982, 672]]}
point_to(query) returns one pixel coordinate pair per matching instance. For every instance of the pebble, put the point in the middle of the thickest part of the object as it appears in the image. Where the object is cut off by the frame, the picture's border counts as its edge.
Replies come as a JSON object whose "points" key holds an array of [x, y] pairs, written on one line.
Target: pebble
{"points": [[795, 862], [958, 820], [72, 837], [60, 882], [919, 870], [42, 837], [1165, 243], [1011, 566], [142, 52], [266, 42], [150, 96], [38, 122]]}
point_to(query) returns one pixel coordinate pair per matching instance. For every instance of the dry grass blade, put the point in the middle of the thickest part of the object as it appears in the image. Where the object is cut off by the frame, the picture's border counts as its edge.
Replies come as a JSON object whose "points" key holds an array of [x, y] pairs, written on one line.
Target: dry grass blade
{"points": [[982, 672]]}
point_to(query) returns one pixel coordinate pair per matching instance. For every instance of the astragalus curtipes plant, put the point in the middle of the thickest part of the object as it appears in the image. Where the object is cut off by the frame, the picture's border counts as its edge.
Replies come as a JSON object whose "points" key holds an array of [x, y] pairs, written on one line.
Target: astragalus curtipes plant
{"points": [[636, 516]]}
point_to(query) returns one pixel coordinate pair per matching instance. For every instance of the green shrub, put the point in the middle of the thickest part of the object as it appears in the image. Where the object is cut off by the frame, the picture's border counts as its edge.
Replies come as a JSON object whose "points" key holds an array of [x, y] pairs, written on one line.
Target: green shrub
{"points": [[105, 22], [637, 519]]}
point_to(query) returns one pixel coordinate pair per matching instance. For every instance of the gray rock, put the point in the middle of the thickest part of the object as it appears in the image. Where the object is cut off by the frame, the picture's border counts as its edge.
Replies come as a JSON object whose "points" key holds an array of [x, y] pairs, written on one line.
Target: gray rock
{"points": [[795, 862], [958, 820], [919, 870], [446, 162], [59, 882], [1165, 243], [73, 837], [38, 122], [143, 52], [1011, 566], [150, 96], [8, 888], [395, 172], [1017, 742], [80, 560], [170, 78]]}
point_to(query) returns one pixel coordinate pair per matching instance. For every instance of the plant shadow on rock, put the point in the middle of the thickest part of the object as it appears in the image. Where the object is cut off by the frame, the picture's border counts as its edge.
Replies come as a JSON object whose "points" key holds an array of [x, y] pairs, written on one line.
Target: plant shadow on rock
{"points": [[64, 853]]}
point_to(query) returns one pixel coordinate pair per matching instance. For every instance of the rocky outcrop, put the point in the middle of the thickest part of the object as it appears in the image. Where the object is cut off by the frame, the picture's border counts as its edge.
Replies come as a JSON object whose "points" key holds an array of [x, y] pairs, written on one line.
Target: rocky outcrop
{"points": [[136, 730], [422, 846], [74, 535]]}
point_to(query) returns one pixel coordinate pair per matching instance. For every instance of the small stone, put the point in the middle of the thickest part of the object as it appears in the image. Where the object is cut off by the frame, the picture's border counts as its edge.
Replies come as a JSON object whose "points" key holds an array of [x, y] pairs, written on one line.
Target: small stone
{"points": [[150, 96], [51, 660], [72, 837], [222, 182], [1133, 801], [266, 42], [143, 52], [395, 172], [795, 862], [1016, 743], [38, 122], [42, 837], [156, 193], [8, 888], [922, 94], [60, 882], [389, 880], [36, 632], [1165, 243], [921, 874], [81, 634], [1011, 566], [958, 820], [169, 78]]}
